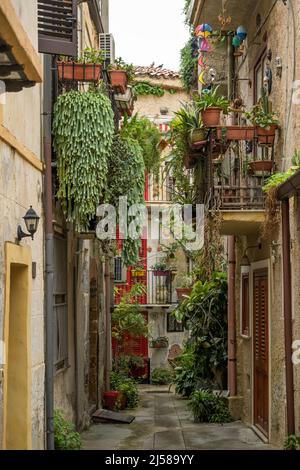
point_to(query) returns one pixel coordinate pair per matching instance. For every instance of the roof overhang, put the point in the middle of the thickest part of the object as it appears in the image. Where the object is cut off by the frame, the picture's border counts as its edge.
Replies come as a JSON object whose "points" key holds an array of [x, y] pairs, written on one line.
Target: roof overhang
{"points": [[290, 187], [20, 64]]}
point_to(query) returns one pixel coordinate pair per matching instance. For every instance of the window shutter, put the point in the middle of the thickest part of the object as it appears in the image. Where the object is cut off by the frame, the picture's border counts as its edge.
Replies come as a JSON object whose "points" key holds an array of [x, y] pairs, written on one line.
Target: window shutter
{"points": [[57, 27]]}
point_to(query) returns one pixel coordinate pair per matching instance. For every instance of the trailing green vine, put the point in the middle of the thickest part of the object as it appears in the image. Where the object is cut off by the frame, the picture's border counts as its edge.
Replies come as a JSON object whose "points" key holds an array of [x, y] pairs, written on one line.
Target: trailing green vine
{"points": [[188, 65], [83, 129], [146, 88], [126, 171], [146, 134]]}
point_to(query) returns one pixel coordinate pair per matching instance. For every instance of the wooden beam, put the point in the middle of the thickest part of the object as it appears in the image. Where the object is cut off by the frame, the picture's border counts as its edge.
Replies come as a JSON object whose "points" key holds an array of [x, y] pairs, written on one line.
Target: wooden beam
{"points": [[13, 33], [20, 148]]}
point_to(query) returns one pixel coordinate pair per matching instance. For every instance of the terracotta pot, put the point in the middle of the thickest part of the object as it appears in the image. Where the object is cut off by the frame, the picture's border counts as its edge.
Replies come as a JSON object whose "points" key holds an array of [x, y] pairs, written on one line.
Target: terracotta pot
{"points": [[110, 399], [211, 117], [118, 80], [183, 291], [266, 136], [79, 72], [261, 165], [236, 133]]}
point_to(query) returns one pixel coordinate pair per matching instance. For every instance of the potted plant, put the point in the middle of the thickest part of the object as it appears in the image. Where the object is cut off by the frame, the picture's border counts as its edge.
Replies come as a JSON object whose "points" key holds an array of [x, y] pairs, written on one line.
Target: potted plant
{"points": [[189, 127], [160, 269], [138, 271], [120, 74], [235, 133], [159, 343], [113, 400], [185, 285], [211, 104], [87, 68], [265, 122]]}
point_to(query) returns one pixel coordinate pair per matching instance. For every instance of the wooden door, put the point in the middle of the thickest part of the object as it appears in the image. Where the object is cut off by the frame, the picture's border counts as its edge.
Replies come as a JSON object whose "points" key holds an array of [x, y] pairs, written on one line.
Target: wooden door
{"points": [[261, 348]]}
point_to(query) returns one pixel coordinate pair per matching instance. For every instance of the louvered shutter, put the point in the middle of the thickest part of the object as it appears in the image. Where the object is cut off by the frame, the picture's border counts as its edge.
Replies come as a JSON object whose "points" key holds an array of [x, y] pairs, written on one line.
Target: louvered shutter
{"points": [[57, 27]]}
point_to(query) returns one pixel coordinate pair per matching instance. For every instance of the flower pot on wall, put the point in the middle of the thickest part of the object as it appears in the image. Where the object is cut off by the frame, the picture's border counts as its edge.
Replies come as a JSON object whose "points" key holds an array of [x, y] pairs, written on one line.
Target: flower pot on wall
{"points": [[265, 166], [138, 272], [158, 272], [266, 136], [182, 292], [236, 133], [79, 72], [211, 117], [118, 80]]}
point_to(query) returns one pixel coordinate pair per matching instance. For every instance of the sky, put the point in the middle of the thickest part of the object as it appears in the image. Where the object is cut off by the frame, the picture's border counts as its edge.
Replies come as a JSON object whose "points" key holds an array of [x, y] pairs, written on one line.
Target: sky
{"points": [[147, 31]]}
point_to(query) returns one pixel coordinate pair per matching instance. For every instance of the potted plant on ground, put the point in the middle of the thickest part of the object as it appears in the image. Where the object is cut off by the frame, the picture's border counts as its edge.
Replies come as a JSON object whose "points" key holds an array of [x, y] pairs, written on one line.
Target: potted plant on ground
{"points": [[120, 75], [159, 343], [87, 68], [160, 268], [265, 122], [211, 104], [185, 285]]}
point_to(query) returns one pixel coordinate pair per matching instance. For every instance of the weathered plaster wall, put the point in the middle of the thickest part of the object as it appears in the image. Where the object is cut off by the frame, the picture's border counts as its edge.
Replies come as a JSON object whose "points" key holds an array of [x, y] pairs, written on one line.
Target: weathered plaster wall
{"points": [[20, 187]]}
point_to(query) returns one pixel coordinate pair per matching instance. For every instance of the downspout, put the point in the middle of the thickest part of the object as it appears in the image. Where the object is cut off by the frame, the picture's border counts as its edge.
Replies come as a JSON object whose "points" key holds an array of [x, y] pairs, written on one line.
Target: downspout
{"points": [[232, 385], [287, 306], [49, 252]]}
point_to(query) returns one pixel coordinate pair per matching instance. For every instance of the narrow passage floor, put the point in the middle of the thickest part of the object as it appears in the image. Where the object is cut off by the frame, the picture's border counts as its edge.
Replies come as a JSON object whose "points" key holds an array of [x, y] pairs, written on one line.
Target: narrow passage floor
{"points": [[162, 422]]}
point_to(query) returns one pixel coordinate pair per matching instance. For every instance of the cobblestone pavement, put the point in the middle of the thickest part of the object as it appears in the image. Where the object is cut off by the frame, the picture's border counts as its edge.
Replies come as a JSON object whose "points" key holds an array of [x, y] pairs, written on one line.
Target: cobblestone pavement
{"points": [[162, 422]]}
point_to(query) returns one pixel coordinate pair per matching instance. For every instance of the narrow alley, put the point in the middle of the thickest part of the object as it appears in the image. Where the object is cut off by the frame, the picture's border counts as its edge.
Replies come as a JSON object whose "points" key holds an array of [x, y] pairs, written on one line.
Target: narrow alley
{"points": [[162, 421]]}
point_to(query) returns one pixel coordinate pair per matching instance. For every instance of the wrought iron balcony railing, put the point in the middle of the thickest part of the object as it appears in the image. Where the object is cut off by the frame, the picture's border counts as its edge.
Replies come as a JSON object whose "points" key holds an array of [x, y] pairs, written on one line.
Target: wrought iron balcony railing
{"points": [[238, 198]]}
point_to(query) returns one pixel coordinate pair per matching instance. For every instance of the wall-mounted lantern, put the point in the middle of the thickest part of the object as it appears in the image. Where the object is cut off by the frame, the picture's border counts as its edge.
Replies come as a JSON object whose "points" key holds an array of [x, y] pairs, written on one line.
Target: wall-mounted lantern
{"points": [[31, 221]]}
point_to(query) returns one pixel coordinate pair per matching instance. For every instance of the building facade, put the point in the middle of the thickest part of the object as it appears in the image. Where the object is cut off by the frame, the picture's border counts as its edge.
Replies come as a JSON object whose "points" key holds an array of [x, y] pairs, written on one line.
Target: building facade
{"points": [[264, 383]]}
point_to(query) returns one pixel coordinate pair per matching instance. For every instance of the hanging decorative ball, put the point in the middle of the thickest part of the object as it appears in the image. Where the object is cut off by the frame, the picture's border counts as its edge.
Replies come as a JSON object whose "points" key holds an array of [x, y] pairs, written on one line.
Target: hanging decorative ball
{"points": [[203, 30], [241, 33], [236, 41]]}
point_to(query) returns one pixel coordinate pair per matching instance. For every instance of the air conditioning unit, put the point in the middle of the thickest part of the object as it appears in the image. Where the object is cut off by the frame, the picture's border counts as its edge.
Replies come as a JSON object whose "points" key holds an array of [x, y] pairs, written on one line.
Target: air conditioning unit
{"points": [[107, 44]]}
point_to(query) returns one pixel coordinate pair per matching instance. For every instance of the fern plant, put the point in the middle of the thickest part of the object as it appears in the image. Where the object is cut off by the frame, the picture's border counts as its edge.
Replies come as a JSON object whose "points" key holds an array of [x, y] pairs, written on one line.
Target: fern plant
{"points": [[83, 129]]}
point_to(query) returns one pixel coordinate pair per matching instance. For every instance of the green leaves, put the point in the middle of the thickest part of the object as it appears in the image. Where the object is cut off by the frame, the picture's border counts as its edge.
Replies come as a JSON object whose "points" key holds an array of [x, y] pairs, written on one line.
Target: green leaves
{"points": [[83, 128], [188, 66], [142, 88], [65, 436]]}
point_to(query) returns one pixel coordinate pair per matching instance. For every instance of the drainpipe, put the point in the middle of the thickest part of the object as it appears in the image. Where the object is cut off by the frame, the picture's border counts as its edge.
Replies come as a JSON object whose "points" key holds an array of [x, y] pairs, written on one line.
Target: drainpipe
{"points": [[287, 306], [107, 323], [47, 141], [232, 386]]}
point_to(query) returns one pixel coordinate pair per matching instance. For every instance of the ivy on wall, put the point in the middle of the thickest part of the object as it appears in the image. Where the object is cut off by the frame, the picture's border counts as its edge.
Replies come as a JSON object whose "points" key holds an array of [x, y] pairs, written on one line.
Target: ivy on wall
{"points": [[144, 88], [83, 129], [188, 65]]}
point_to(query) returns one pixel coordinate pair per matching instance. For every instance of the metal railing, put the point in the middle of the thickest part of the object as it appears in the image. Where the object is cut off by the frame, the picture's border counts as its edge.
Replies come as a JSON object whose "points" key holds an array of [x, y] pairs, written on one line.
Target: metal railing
{"points": [[238, 198], [159, 288]]}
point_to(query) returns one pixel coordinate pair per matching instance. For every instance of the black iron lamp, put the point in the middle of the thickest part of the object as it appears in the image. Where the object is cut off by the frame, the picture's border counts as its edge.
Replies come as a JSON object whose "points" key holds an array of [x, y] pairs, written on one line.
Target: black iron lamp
{"points": [[31, 221]]}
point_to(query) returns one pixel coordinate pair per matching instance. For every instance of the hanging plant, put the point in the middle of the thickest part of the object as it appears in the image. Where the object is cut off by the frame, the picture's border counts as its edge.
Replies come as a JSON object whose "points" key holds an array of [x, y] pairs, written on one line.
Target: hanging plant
{"points": [[83, 128], [188, 64], [126, 171]]}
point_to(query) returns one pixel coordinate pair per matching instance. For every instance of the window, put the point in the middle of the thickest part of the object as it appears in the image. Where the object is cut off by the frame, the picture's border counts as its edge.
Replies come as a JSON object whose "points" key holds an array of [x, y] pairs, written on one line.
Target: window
{"points": [[173, 325], [120, 270], [245, 326]]}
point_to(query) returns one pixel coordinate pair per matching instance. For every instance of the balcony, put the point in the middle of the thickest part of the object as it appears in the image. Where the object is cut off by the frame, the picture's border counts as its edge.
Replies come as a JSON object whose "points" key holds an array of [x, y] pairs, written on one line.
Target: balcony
{"points": [[160, 289]]}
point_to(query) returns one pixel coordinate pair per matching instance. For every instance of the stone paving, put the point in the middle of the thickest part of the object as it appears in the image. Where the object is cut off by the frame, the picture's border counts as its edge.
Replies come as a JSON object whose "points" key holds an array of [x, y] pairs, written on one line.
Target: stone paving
{"points": [[162, 422]]}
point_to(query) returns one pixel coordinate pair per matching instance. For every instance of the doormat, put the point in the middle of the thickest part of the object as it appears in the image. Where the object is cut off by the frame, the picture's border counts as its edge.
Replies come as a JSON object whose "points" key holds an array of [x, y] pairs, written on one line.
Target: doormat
{"points": [[107, 415]]}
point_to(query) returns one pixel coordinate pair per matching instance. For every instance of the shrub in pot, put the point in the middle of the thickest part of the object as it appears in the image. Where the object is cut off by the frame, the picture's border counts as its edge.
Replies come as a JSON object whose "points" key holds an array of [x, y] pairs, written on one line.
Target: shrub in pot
{"points": [[265, 122], [87, 68], [120, 75], [160, 269], [184, 285], [211, 105]]}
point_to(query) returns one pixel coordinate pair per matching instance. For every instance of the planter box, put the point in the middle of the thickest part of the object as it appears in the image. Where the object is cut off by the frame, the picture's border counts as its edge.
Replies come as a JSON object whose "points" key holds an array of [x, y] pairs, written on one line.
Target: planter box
{"points": [[110, 400], [161, 273], [118, 80], [261, 166], [79, 72], [236, 133], [138, 272], [266, 136], [211, 117], [183, 291]]}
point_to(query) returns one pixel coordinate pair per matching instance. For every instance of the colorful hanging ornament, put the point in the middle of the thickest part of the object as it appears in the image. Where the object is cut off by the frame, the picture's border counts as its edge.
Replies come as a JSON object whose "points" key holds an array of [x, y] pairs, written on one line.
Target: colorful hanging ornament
{"points": [[205, 46], [241, 33], [236, 41], [203, 30], [201, 61]]}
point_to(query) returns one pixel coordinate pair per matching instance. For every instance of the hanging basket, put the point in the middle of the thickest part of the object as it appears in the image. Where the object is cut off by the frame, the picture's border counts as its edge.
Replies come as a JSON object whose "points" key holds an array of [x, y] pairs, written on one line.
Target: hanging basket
{"points": [[211, 117], [138, 272], [235, 133], [266, 136], [79, 72], [118, 80]]}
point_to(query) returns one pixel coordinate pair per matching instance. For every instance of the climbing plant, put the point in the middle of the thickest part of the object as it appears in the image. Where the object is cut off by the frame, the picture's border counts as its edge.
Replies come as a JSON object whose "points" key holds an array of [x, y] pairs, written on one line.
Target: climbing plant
{"points": [[83, 128], [146, 88], [126, 171], [148, 137], [188, 65]]}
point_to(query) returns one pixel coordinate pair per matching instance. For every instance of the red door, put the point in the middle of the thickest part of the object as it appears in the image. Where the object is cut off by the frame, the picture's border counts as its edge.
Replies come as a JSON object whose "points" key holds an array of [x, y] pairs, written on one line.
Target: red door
{"points": [[261, 348]]}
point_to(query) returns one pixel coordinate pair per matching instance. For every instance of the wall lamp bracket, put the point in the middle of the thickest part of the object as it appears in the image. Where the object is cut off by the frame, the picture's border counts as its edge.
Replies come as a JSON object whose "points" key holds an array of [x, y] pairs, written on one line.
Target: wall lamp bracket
{"points": [[31, 221]]}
